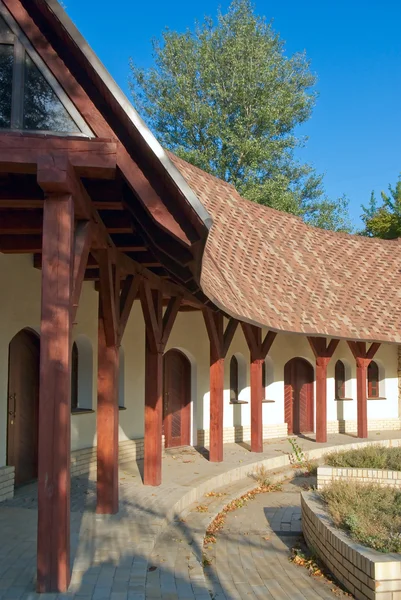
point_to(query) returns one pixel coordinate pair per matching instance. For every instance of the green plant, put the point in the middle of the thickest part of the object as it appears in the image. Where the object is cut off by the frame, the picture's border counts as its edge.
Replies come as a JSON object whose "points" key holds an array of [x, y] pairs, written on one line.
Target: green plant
{"points": [[297, 457], [369, 457], [370, 513]]}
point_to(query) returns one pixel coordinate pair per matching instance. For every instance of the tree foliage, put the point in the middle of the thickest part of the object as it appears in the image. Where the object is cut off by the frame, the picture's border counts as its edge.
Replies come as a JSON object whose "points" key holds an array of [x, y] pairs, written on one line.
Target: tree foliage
{"points": [[383, 219], [227, 99]]}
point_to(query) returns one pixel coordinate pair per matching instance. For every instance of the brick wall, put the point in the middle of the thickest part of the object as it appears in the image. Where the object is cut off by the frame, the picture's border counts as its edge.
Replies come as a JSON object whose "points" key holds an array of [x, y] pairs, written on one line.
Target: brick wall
{"points": [[326, 475], [373, 425], [367, 574], [6, 483], [84, 461], [233, 435]]}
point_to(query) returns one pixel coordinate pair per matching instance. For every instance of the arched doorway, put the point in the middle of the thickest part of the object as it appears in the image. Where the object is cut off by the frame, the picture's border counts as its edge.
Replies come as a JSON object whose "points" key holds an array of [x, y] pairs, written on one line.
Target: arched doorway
{"points": [[176, 399], [298, 395], [23, 405]]}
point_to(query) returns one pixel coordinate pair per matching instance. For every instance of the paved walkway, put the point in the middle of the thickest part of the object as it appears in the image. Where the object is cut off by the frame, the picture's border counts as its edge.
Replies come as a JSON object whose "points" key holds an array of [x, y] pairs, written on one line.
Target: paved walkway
{"points": [[116, 556], [250, 557]]}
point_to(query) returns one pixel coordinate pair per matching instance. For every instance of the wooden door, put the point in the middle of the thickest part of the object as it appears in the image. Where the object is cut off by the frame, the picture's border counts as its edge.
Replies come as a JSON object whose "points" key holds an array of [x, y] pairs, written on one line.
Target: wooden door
{"points": [[298, 396], [23, 406], [177, 399]]}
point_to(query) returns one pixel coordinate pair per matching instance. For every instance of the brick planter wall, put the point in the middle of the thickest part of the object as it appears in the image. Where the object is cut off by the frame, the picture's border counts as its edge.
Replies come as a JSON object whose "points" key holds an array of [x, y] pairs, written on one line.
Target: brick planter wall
{"points": [[6, 483], [367, 574], [237, 434], [373, 425], [326, 475]]}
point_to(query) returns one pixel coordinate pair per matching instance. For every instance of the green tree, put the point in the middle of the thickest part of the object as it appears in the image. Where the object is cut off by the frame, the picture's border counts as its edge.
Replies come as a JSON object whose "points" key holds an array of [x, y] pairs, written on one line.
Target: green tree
{"points": [[384, 220], [227, 99]]}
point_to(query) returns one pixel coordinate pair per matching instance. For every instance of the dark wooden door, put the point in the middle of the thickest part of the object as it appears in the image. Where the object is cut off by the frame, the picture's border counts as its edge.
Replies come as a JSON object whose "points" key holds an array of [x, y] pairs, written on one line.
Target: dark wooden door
{"points": [[298, 395], [177, 399], [23, 406]]}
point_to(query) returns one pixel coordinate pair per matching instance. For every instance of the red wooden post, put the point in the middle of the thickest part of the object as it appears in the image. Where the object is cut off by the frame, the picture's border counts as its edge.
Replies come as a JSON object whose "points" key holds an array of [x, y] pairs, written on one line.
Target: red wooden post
{"points": [[256, 405], [258, 350], [220, 341], [107, 423], [323, 354], [363, 358], [321, 399], [158, 329], [153, 416], [362, 404], [55, 396], [216, 407]]}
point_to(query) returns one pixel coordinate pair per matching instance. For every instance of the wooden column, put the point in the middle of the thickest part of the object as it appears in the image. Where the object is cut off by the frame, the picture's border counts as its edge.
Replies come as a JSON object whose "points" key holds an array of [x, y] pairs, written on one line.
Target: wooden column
{"points": [[55, 396], [220, 341], [363, 358], [158, 329], [323, 354], [114, 308], [107, 424], [258, 349]]}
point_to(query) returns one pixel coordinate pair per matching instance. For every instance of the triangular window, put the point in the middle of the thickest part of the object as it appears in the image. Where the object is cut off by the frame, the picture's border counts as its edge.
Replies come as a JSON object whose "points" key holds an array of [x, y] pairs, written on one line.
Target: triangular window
{"points": [[42, 109], [31, 99]]}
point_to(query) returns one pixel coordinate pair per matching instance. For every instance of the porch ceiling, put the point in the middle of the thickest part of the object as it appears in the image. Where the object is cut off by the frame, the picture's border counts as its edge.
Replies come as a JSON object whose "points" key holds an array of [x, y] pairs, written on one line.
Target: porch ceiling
{"points": [[101, 193]]}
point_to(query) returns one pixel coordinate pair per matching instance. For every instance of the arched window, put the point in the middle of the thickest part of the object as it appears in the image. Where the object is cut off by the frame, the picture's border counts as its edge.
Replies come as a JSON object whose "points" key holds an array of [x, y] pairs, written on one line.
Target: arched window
{"points": [[234, 391], [339, 376], [373, 380], [74, 378]]}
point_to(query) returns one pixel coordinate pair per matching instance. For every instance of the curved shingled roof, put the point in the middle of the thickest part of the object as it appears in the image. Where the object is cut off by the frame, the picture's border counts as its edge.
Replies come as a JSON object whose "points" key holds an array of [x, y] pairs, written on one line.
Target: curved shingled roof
{"points": [[271, 269]]}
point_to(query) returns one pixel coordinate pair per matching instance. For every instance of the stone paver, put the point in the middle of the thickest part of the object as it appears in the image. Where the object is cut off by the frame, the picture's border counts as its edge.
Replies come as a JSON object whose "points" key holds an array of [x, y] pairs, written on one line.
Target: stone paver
{"points": [[112, 556], [250, 557]]}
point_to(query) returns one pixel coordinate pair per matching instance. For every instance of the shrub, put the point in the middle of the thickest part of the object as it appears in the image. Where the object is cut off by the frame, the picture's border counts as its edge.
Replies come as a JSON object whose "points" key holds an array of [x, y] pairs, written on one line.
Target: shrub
{"points": [[370, 513], [369, 457]]}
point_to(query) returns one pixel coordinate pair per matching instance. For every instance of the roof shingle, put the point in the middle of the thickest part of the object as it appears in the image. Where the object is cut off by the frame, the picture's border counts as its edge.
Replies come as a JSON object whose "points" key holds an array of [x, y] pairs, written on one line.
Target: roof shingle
{"points": [[270, 268]]}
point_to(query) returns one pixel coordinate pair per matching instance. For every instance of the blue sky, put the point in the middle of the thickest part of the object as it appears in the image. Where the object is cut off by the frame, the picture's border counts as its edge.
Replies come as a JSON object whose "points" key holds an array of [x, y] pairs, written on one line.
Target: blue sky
{"points": [[355, 50]]}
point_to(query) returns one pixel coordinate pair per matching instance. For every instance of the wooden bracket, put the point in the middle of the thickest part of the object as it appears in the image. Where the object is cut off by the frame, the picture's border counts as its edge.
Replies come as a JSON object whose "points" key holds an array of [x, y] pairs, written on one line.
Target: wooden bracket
{"points": [[360, 352], [128, 295], [321, 349], [82, 245], [220, 338], [107, 296], [158, 326], [258, 348]]}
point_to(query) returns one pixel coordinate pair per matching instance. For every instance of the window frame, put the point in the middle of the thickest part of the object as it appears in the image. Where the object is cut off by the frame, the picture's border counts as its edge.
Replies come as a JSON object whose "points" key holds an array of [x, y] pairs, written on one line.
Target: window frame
{"points": [[339, 391], [74, 378], [234, 390], [21, 46], [373, 384]]}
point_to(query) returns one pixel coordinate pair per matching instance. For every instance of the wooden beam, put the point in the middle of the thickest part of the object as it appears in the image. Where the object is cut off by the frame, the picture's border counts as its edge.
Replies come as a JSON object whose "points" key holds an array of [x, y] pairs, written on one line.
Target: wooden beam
{"points": [[150, 307], [169, 318], [94, 158], [55, 398], [267, 343], [128, 295], [82, 244], [214, 328], [107, 296], [229, 334], [20, 244], [17, 222]]}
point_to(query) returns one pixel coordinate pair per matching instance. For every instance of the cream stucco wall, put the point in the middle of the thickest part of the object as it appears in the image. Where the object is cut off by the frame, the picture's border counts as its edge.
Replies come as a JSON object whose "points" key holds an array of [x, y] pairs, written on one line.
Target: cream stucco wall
{"points": [[20, 307]]}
